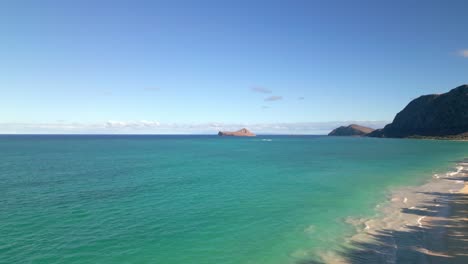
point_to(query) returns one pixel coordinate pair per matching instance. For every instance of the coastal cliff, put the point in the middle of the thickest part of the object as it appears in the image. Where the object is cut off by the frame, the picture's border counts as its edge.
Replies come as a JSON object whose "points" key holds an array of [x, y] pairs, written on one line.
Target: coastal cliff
{"points": [[351, 130], [431, 116], [244, 132]]}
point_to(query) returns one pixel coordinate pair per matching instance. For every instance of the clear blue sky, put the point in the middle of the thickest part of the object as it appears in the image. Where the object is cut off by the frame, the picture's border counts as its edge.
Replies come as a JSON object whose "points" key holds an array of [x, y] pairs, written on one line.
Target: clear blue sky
{"points": [[198, 62]]}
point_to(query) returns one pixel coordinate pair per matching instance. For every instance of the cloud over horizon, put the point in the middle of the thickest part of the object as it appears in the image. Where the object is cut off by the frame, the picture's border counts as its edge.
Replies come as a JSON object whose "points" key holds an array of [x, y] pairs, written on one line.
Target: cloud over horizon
{"points": [[132, 124], [155, 127]]}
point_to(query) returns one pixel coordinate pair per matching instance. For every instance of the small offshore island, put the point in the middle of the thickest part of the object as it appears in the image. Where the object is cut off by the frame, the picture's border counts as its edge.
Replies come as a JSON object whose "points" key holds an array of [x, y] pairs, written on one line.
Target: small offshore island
{"points": [[244, 132], [351, 130]]}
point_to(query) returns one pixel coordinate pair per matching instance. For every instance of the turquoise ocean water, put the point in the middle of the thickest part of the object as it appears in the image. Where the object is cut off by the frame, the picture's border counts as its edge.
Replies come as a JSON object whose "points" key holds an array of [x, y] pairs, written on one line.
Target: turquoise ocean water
{"points": [[197, 199]]}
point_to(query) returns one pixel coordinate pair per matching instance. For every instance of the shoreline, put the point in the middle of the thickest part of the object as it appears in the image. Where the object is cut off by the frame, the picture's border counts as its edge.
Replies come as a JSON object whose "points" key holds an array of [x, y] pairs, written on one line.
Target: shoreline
{"points": [[417, 224]]}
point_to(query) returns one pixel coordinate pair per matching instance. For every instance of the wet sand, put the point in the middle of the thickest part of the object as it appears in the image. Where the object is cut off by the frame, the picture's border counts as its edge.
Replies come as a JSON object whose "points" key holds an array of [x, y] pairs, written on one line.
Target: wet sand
{"points": [[422, 224]]}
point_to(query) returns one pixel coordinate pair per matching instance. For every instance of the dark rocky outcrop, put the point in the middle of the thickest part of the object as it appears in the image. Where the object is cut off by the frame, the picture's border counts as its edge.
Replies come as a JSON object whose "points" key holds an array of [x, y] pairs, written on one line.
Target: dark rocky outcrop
{"points": [[351, 130], [244, 132], [434, 116]]}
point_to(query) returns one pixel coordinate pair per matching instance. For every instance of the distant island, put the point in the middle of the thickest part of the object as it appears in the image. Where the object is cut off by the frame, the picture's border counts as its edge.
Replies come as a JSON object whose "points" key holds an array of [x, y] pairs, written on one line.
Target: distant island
{"points": [[351, 130], [244, 132], [438, 116]]}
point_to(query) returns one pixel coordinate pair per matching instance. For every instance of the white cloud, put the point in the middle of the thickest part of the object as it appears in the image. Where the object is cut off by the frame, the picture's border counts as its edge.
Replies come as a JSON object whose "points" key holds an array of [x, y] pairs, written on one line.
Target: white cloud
{"points": [[273, 98], [260, 90], [155, 127], [463, 53], [132, 124]]}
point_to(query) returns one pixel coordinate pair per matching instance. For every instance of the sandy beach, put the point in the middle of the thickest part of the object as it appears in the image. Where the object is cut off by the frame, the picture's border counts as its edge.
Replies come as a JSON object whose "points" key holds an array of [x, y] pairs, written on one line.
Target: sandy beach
{"points": [[421, 224]]}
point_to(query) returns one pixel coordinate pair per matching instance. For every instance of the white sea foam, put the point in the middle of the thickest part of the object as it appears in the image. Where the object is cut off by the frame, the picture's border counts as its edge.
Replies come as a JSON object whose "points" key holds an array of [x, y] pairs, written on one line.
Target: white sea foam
{"points": [[419, 220], [458, 170], [408, 207]]}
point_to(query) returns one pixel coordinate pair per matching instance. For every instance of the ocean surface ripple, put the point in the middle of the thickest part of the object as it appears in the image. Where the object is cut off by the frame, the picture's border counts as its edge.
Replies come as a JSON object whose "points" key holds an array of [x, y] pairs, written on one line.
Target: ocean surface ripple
{"points": [[198, 199]]}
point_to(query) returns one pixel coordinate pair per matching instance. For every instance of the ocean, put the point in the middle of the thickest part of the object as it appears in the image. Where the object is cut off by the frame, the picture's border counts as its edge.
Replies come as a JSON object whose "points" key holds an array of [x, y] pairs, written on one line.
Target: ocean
{"points": [[198, 199]]}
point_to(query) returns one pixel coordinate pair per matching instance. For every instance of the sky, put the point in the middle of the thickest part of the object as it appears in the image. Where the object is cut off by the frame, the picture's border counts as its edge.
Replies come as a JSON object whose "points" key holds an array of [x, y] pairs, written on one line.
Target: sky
{"points": [[298, 67]]}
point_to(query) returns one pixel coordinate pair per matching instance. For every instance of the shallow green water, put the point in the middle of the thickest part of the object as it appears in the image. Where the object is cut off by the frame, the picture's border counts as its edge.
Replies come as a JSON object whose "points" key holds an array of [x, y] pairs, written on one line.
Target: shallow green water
{"points": [[196, 199]]}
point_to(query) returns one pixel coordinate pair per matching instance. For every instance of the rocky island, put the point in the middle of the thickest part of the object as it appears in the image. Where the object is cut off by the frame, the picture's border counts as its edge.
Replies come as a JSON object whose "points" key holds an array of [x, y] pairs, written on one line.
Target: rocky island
{"points": [[244, 132], [438, 116], [351, 130]]}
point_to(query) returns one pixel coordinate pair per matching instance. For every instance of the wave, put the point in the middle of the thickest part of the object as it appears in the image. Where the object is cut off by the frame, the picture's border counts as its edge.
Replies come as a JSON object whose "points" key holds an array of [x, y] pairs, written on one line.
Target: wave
{"points": [[410, 215]]}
